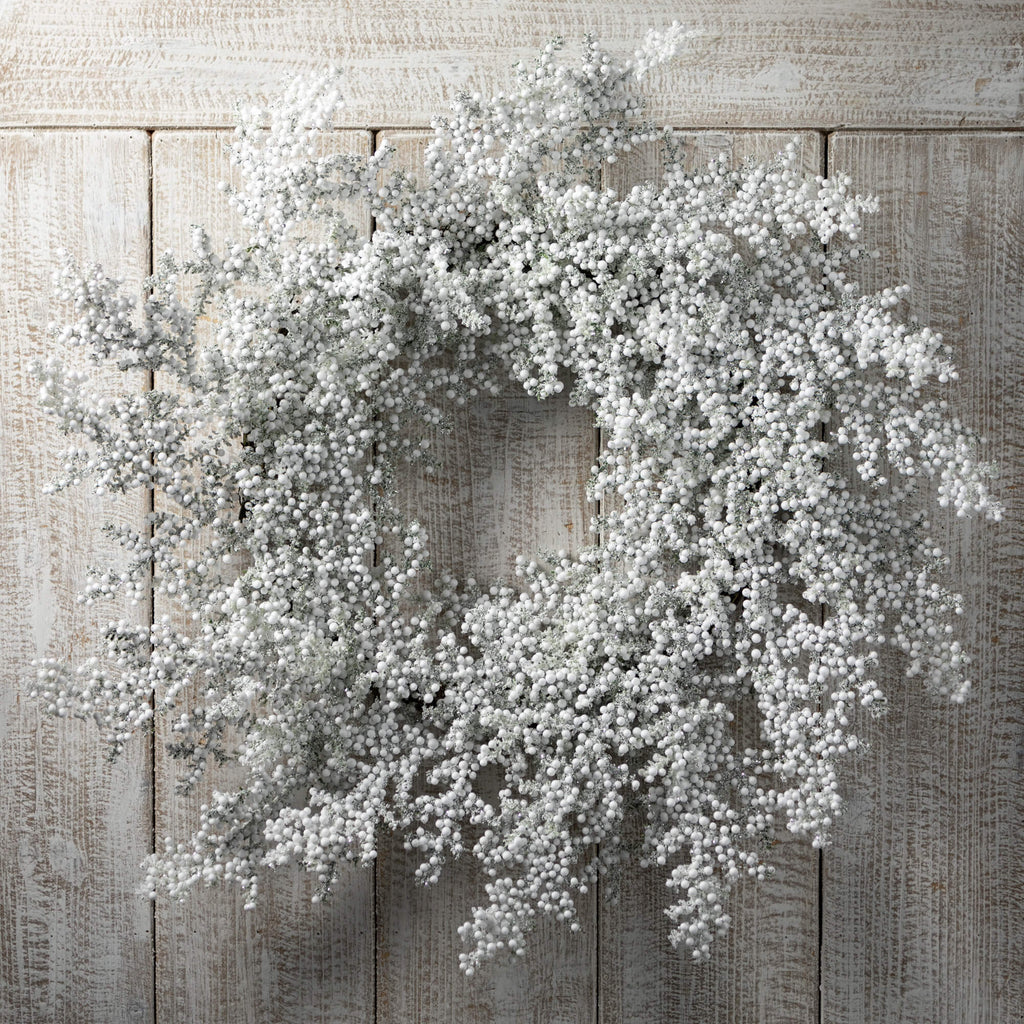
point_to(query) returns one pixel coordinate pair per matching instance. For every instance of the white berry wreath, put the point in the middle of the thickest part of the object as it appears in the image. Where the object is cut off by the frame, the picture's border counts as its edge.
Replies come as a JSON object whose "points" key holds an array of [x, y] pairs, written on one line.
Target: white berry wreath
{"points": [[766, 432]]}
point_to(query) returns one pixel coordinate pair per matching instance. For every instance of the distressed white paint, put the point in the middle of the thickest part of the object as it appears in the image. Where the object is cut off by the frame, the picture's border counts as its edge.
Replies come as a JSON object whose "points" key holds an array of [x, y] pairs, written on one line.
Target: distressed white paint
{"points": [[510, 479], [924, 887], [288, 960], [764, 63], [74, 938], [766, 969]]}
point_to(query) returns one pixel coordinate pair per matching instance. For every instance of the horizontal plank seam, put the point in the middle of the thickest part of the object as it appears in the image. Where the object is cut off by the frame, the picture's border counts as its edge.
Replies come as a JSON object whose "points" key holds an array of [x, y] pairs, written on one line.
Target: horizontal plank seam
{"points": [[951, 129]]}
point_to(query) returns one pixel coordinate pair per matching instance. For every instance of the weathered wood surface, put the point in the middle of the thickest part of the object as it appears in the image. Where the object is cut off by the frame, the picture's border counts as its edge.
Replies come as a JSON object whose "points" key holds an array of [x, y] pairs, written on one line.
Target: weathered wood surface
{"points": [[287, 960], [510, 479], [924, 887], [75, 940], [923, 891], [765, 63], [766, 969]]}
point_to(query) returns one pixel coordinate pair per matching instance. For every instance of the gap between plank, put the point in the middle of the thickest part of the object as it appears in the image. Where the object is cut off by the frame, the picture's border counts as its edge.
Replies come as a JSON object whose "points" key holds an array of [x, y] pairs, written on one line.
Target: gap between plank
{"points": [[826, 138], [151, 610], [374, 143], [827, 130]]}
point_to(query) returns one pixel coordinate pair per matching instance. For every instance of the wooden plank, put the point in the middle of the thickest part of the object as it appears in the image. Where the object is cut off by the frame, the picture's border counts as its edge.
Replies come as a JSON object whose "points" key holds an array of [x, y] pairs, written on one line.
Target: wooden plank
{"points": [[75, 940], [766, 968], [765, 63], [924, 887], [511, 479], [287, 960]]}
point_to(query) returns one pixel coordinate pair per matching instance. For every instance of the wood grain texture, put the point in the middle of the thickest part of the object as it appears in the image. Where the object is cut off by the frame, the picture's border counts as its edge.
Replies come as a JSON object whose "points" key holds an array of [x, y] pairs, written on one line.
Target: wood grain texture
{"points": [[766, 969], [924, 886], [288, 960], [510, 479], [765, 63], [74, 937]]}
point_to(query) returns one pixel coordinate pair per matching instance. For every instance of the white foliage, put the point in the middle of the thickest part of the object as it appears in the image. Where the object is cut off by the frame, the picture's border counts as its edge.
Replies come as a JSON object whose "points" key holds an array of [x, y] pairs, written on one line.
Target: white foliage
{"points": [[767, 433]]}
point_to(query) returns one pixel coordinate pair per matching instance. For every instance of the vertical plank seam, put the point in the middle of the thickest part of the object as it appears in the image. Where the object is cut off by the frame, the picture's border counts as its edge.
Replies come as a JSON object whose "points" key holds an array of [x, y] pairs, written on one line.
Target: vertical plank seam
{"points": [[599, 540], [151, 610], [822, 429], [375, 916], [598, 894]]}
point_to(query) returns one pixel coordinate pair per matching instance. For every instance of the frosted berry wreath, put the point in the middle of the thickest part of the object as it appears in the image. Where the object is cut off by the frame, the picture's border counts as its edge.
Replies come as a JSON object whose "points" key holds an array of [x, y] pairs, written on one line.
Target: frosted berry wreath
{"points": [[767, 431]]}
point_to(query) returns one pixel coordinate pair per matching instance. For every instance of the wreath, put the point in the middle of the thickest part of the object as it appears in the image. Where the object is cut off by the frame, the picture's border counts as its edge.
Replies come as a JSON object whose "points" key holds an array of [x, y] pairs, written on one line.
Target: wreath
{"points": [[768, 433]]}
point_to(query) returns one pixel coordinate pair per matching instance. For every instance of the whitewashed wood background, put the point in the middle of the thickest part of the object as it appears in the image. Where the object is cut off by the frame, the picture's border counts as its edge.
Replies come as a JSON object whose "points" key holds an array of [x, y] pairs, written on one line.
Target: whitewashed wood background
{"points": [[108, 145]]}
